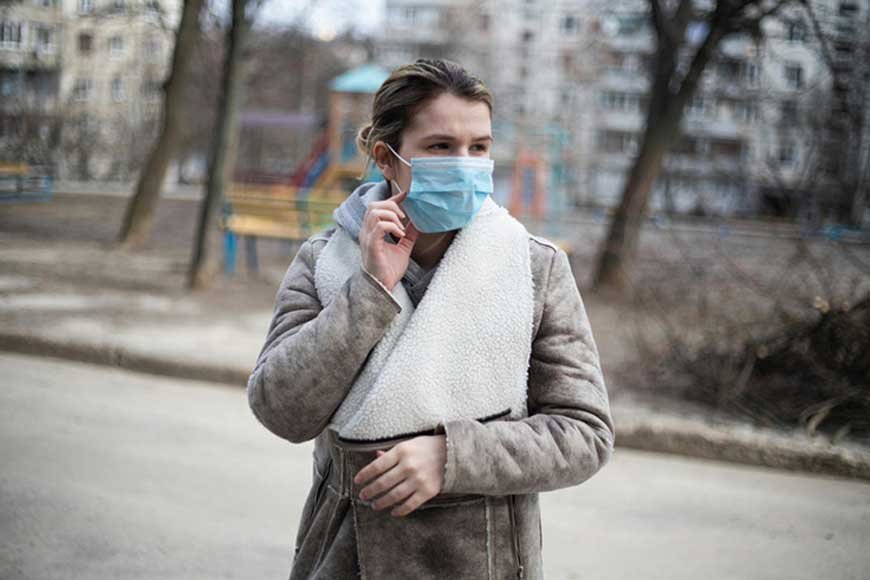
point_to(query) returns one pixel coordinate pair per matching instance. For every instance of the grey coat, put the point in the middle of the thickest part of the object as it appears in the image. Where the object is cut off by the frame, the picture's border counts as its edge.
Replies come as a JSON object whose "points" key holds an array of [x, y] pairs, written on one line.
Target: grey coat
{"points": [[485, 523]]}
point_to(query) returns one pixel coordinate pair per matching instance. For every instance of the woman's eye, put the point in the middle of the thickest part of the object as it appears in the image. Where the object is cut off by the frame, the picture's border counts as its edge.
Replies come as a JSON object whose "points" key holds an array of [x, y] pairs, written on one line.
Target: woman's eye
{"points": [[481, 148], [438, 146]]}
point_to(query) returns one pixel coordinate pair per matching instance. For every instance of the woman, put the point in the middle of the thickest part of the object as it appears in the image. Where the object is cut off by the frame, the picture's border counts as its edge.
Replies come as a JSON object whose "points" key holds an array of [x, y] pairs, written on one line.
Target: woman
{"points": [[437, 420]]}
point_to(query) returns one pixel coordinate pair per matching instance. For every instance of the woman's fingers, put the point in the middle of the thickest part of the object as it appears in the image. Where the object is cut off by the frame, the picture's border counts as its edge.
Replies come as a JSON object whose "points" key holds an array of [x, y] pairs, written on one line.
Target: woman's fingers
{"points": [[387, 480], [410, 504], [399, 197], [376, 467], [389, 204], [397, 494], [384, 228], [385, 215]]}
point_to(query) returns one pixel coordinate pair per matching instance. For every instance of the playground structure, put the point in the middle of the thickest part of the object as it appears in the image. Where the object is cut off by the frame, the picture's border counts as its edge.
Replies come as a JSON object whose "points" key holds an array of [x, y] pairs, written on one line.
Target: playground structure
{"points": [[296, 206], [537, 189]]}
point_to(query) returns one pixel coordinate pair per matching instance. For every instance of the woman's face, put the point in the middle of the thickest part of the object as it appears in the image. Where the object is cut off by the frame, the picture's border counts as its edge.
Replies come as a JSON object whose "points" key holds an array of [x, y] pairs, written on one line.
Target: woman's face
{"points": [[445, 126]]}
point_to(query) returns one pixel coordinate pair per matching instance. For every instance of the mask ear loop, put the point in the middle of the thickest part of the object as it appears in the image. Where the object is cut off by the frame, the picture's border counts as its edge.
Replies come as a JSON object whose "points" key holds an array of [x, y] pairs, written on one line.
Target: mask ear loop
{"points": [[400, 158]]}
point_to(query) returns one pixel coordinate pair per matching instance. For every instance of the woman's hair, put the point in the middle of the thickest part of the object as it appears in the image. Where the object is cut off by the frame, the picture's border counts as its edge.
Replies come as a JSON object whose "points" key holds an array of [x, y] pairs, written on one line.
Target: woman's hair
{"points": [[410, 87]]}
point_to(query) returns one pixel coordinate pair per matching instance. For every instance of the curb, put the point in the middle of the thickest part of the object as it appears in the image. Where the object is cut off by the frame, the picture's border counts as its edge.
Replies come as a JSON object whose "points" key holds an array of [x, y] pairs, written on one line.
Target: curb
{"points": [[113, 356], [741, 443], [658, 432]]}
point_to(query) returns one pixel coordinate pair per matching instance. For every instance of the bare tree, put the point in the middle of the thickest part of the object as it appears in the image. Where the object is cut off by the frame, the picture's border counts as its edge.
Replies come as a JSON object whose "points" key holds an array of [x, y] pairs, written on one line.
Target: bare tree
{"points": [[680, 60], [204, 263], [139, 217]]}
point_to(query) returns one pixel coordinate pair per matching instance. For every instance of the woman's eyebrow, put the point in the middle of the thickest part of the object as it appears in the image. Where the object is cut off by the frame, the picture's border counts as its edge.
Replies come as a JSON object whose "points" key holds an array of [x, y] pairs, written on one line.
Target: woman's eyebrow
{"points": [[445, 137]]}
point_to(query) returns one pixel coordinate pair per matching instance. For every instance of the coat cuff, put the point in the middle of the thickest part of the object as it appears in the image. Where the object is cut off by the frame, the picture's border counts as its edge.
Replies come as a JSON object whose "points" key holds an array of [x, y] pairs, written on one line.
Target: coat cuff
{"points": [[452, 430], [380, 286]]}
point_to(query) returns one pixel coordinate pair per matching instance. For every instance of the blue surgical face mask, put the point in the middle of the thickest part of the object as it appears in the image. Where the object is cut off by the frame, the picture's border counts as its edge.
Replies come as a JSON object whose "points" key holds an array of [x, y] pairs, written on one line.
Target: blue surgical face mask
{"points": [[446, 192]]}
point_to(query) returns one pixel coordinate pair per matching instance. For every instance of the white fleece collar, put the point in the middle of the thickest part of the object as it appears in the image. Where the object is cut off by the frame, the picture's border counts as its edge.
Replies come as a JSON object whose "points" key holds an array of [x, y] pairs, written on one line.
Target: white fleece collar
{"points": [[463, 353]]}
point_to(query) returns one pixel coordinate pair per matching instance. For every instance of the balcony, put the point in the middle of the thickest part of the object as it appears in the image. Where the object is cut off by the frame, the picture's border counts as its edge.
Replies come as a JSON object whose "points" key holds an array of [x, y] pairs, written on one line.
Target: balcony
{"points": [[30, 59], [29, 103], [698, 165], [644, 43], [621, 121]]}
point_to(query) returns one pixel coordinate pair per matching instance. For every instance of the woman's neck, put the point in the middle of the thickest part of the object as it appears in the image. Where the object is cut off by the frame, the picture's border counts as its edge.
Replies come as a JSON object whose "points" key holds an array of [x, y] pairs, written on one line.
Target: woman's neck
{"points": [[429, 248]]}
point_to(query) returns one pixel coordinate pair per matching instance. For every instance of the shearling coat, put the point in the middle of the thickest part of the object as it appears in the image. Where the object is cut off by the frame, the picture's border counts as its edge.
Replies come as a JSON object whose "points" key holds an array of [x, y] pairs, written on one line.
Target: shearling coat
{"points": [[485, 523]]}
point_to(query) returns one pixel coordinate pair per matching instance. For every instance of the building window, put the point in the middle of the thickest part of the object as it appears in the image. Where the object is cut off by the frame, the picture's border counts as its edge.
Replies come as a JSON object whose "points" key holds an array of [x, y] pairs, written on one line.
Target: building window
{"points": [[794, 76], [618, 142], [849, 9], [623, 102], [746, 112], [152, 89], [698, 107], [86, 6], [117, 89], [484, 22], [83, 89], [152, 48], [787, 154], [567, 63], [44, 84], [797, 31], [152, 5], [750, 73], [569, 25], [116, 46], [10, 34], [527, 36], [44, 38], [788, 112], [86, 43], [10, 83], [118, 5]]}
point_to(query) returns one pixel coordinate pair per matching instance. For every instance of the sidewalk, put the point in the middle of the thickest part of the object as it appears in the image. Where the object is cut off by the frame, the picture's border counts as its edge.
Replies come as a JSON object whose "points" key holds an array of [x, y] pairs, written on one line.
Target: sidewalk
{"points": [[82, 299]]}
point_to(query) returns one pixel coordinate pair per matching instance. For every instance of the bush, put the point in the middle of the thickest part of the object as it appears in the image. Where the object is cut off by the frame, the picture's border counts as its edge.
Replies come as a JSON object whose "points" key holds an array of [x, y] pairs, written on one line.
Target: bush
{"points": [[778, 333]]}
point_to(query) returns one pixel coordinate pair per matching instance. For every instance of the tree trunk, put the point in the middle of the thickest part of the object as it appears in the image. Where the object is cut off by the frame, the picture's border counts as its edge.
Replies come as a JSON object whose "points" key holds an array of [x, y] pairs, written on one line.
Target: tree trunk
{"points": [[139, 216], [618, 250], [663, 121], [205, 263]]}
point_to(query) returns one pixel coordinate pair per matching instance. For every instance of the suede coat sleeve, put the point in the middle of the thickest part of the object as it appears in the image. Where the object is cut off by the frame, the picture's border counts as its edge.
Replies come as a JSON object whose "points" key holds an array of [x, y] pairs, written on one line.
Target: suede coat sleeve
{"points": [[312, 354], [569, 433]]}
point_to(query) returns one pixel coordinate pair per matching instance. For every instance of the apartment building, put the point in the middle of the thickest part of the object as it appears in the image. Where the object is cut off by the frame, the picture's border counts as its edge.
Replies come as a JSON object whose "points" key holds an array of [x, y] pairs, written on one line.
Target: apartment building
{"points": [[571, 82], [81, 82], [30, 46], [116, 56]]}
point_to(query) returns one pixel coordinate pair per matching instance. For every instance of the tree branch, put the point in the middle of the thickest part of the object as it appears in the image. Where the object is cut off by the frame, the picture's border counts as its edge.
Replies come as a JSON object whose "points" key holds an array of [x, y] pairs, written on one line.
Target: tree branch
{"points": [[662, 25]]}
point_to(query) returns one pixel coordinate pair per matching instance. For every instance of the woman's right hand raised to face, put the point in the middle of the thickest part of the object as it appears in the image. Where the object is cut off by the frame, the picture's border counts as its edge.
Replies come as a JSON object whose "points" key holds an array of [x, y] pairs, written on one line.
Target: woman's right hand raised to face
{"points": [[385, 261]]}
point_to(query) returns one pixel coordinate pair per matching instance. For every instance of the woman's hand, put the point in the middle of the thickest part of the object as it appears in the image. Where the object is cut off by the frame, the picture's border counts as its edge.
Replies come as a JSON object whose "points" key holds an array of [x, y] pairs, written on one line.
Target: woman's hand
{"points": [[411, 473], [386, 262]]}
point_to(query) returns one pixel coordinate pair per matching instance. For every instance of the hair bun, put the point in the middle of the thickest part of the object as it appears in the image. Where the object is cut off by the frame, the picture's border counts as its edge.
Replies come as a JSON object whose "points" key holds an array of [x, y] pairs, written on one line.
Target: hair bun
{"points": [[362, 139]]}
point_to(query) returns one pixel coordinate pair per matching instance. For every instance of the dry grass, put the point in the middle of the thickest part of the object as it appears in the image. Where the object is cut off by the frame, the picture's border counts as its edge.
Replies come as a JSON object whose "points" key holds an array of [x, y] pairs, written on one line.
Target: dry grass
{"points": [[779, 335]]}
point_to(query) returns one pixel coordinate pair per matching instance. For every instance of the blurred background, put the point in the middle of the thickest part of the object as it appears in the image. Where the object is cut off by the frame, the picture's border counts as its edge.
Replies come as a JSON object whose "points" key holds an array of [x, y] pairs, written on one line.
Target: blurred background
{"points": [[704, 163]]}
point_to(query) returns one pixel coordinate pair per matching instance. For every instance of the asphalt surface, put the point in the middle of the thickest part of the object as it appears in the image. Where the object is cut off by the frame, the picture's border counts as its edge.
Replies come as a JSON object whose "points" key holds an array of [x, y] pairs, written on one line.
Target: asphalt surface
{"points": [[112, 474]]}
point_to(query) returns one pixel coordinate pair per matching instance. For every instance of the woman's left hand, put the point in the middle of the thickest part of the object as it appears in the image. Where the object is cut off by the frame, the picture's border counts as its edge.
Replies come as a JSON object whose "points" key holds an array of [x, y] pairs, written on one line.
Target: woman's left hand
{"points": [[411, 473]]}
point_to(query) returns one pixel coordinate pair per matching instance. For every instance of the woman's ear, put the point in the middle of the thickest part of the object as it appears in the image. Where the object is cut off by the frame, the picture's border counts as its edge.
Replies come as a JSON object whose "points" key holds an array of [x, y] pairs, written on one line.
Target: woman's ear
{"points": [[385, 160]]}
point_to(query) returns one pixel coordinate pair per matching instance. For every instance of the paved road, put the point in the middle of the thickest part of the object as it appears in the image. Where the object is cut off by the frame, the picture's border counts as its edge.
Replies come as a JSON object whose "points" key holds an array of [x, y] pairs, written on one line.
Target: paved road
{"points": [[112, 474]]}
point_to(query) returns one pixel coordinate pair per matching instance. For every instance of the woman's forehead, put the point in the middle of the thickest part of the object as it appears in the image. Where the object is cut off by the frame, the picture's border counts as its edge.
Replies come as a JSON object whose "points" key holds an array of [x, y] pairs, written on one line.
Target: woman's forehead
{"points": [[451, 115]]}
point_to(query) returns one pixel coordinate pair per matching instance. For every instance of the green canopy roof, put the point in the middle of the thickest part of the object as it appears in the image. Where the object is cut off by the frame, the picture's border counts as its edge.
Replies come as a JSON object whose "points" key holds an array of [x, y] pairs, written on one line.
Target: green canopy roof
{"points": [[364, 79]]}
